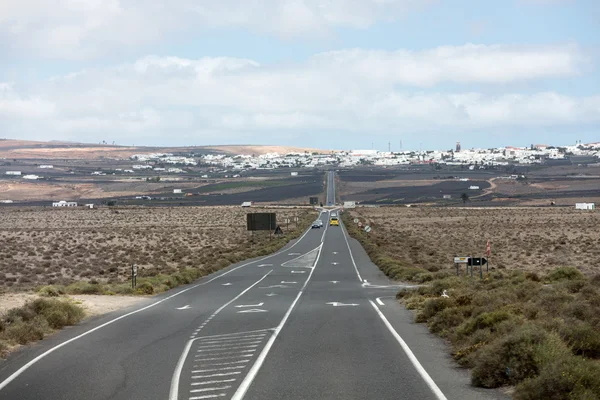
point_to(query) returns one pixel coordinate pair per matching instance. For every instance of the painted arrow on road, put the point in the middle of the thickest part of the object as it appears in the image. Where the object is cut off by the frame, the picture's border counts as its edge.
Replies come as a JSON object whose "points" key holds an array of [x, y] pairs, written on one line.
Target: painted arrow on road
{"points": [[298, 272], [271, 294], [293, 254], [252, 310], [336, 304], [334, 282], [289, 283], [335, 252], [184, 307], [227, 284], [264, 265], [334, 263]]}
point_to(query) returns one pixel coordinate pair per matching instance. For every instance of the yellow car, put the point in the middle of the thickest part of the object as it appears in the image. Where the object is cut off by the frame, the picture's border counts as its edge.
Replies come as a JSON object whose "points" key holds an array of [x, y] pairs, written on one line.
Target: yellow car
{"points": [[333, 221]]}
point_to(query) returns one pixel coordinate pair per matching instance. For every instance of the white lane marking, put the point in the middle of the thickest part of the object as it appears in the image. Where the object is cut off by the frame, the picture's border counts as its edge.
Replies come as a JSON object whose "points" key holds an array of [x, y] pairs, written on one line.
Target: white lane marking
{"points": [[229, 345], [227, 284], [245, 385], [174, 392], [337, 304], [271, 294], [434, 388], [200, 360], [350, 251], [214, 382], [204, 390], [293, 254], [208, 396], [298, 272], [218, 364], [234, 339], [214, 375], [273, 286], [184, 307], [300, 256], [325, 230], [380, 302], [236, 334], [201, 371], [249, 305], [335, 252], [288, 283], [334, 263], [228, 349], [264, 265], [334, 282], [252, 310]]}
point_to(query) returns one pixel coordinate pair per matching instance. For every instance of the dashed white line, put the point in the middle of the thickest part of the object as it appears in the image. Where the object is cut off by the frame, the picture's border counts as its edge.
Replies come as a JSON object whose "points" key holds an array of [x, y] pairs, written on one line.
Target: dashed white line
{"points": [[380, 302], [351, 256]]}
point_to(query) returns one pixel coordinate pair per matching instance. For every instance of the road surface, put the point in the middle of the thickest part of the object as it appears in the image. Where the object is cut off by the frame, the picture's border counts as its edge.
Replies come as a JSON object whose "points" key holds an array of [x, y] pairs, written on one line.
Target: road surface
{"points": [[330, 189], [316, 320]]}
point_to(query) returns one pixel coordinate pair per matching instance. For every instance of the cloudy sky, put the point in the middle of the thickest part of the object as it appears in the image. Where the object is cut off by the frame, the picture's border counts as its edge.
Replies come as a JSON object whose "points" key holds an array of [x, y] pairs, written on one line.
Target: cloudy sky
{"points": [[313, 73]]}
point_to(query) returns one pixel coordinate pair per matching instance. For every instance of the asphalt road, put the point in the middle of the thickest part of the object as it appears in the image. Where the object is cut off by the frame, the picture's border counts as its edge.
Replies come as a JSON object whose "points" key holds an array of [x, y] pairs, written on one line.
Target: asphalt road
{"points": [[316, 320], [330, 188]]}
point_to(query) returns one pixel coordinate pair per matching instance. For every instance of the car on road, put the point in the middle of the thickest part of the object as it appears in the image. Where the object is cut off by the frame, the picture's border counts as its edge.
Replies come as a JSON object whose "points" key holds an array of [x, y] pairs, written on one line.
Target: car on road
{"points": [[317, 224], [333, 221]]}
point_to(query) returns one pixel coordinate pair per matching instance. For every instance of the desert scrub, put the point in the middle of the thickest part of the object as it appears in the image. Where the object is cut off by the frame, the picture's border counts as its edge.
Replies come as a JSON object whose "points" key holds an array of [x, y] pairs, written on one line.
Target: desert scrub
{"points": [[35, 320], [536, 331]]}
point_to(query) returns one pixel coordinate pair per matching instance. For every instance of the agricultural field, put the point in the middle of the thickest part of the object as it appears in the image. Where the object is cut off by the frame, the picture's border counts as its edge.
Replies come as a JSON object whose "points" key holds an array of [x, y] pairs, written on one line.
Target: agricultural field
{"points": [[529, 239], [45, 246]]}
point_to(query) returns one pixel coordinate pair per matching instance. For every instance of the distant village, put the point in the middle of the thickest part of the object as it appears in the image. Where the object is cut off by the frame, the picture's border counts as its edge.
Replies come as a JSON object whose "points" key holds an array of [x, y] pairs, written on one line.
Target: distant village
{"points": [[474, 158]]}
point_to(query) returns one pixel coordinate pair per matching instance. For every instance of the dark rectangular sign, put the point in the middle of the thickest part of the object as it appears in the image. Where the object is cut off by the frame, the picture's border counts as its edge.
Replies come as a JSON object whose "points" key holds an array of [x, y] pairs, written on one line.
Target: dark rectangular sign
{"points": [[314, 200], [261, 221]]}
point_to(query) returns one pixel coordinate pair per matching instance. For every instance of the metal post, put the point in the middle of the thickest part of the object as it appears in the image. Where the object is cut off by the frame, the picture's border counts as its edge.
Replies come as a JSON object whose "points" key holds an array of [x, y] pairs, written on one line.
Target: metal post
{"points": [[471, 266], [456, 266], [481, 270]]}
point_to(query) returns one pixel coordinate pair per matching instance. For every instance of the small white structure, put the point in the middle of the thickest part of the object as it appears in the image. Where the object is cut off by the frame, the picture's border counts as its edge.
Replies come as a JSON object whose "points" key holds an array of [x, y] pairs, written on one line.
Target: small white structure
{"points": [[349, 204], [473, 187], [447, 196], [6, 201], [585, 206], [63, 203], [176, 190], [17, 173], [89, 205], [32, 177], [464, 179], [294, 174], [46, 166], [247, 204]]}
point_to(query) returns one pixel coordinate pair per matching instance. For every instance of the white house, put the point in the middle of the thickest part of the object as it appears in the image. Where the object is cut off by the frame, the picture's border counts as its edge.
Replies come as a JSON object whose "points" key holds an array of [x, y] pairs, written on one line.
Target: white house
{"points": [[585, 206], [294, 174], [63, 203], [46, 166], [32, 177], [473, 187], [13, 173], [176, 190], [247, 204]]}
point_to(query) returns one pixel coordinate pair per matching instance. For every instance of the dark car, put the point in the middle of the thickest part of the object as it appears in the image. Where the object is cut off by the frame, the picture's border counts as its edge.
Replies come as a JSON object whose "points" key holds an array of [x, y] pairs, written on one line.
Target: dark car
{"points": [[317, 224]]}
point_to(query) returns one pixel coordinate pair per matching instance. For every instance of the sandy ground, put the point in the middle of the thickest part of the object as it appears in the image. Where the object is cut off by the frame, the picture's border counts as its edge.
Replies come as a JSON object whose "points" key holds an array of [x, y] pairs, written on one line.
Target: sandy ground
{"points": [[93, 304]]}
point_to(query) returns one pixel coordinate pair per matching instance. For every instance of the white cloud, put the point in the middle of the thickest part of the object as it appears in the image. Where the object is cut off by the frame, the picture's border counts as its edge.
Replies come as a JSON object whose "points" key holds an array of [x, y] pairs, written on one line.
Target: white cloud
{"points": [[227, 99], [76, 29]]}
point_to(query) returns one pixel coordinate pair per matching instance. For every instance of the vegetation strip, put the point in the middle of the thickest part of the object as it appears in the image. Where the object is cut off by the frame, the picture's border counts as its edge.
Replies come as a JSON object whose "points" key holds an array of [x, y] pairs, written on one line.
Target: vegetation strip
{"points": [[538, 334]]}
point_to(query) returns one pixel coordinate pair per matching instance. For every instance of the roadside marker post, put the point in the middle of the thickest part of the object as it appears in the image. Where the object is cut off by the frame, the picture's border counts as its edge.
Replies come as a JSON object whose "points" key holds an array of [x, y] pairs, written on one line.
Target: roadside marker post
{"points": [[133, 276]]}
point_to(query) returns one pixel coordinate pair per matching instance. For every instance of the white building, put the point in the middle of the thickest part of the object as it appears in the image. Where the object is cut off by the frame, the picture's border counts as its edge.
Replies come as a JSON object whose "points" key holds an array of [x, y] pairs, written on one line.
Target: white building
{"points": [[18, 173], [176, 190], [32, 177], [63, 203], [46, 166], [585, 206]]}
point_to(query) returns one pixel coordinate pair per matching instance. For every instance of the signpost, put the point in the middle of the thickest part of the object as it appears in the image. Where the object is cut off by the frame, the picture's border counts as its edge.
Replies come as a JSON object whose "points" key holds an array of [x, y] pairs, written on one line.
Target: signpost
{"points": [[134, 270]]}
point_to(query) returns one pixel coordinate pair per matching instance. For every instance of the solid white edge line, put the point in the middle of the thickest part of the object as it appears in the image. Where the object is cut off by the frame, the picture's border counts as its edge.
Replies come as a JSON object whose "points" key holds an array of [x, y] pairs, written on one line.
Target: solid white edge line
{"points": [[380, 302], [325, 231], [25, 367], [245, 385], [174, 392], [434, 388], [350, 251]]}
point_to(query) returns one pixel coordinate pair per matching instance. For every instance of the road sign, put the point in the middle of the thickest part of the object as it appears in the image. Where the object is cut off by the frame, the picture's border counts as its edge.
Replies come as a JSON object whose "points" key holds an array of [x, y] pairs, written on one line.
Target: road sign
{"points": [[461, 260], [287, 220], [134, 270], [367, 229], [360, 224], [476, 261], [356, 220]]}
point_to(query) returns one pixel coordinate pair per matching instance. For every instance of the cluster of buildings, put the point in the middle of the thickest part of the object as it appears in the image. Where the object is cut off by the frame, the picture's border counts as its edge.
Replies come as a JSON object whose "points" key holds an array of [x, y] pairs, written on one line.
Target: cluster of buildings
{"points": [[474, 158]]}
